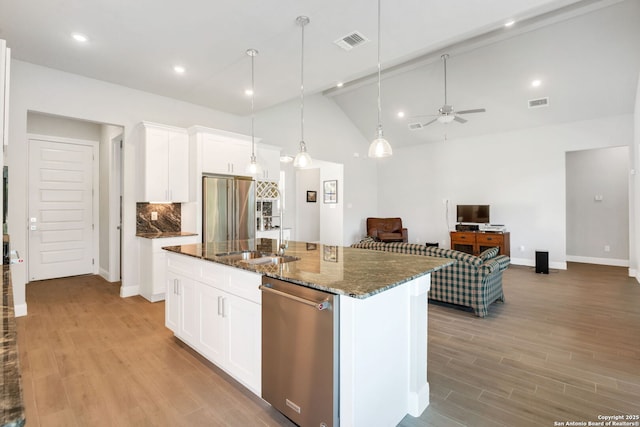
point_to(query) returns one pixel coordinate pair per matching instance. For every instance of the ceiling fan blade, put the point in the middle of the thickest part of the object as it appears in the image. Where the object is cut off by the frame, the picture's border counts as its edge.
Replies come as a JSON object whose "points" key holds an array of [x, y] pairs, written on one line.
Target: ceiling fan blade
{"points": [[460, 119], [421, 115], [428, 123], [477, 110]]}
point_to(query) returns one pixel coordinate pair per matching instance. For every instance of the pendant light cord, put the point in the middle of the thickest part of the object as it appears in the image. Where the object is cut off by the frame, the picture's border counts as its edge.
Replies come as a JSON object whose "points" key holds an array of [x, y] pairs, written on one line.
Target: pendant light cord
{"points": [[253, 115], [302, 24], [379, 73]]}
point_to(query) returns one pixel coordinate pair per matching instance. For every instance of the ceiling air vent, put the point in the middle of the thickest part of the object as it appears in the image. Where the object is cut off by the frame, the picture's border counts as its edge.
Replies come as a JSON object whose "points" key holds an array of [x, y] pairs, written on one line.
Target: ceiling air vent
{"points": [[351, 40], [415, 126], [540, 102]]}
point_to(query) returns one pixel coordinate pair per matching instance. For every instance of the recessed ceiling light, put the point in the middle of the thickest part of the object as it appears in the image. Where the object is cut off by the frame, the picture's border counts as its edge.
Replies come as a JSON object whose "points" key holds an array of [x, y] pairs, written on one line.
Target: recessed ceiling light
{"points": [[248, 92], [81, 38], [339, 84], [401, 114], [536, 83], [509, 23], [179, 69]]}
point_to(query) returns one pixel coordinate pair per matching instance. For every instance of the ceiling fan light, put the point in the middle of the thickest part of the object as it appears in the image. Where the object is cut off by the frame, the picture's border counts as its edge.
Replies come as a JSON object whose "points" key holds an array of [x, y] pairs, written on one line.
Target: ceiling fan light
{"points": [[446, 118]]}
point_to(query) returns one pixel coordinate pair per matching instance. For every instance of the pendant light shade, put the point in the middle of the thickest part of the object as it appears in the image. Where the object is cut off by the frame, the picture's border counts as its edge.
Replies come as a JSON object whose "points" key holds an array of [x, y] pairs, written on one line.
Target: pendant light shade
{"points": [[253, 168], [380, 147], [302, 159]]}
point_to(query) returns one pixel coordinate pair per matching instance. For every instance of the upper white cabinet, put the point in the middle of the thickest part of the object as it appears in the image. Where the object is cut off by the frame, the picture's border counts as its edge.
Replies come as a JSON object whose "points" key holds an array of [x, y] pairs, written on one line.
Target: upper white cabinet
{"points": [[222, 152], [5, 59], [163, 152], [268, 157]]}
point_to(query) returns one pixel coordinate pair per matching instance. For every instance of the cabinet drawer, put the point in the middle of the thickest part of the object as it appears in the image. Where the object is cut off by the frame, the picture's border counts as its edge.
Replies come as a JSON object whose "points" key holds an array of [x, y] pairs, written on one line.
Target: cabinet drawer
{"points": [[183, 264], [490, 239], [463, 237]]}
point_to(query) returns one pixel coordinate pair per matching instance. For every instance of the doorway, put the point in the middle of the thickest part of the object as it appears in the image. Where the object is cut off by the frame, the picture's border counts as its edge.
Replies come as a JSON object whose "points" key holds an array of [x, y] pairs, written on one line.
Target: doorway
{"points": [[61, 208], [597, 206], [106, 168]]}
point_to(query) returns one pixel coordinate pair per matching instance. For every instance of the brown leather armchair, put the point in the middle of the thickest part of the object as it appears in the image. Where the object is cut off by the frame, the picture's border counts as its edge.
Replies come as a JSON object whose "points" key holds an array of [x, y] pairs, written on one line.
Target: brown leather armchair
{"points": [[387, 229]]}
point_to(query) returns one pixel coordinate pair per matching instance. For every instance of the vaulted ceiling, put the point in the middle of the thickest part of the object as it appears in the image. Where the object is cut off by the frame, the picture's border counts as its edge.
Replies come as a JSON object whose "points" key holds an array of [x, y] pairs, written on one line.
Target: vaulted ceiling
{"points": [[585, 52]]}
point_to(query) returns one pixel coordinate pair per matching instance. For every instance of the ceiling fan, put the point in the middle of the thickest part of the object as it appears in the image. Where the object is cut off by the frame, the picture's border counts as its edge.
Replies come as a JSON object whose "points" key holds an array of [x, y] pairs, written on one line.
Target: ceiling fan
{"points": [[446, 113]]}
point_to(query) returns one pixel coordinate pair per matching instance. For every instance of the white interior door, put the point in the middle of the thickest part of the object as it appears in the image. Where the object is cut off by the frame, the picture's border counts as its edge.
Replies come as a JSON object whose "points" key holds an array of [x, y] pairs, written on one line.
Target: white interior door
{"points": [[61, 237]]}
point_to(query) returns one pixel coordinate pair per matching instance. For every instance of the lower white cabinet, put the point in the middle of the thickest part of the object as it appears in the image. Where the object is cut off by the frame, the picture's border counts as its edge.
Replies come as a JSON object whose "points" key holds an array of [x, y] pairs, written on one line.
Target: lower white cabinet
{"points": [[153, 259], [216, 309]]}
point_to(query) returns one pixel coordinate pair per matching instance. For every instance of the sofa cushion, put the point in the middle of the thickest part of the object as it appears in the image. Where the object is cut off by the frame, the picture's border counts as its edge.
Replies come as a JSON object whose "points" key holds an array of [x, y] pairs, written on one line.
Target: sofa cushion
{"points": [[390, 237], [489, 253], [453, 254]]}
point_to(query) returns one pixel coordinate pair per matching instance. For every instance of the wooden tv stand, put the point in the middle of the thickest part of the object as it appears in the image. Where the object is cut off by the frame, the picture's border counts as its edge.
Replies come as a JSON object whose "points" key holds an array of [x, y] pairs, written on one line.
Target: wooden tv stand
{"points": [[475, 242]]}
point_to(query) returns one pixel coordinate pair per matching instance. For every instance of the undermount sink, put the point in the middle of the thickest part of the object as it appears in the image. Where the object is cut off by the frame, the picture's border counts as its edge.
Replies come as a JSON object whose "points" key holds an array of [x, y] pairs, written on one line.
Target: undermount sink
{"points": [[256, 257]]}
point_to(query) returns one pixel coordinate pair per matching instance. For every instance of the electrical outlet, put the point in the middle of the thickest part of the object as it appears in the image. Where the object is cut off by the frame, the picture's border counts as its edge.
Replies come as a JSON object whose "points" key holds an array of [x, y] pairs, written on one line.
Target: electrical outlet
{"points": [[154, 216]]}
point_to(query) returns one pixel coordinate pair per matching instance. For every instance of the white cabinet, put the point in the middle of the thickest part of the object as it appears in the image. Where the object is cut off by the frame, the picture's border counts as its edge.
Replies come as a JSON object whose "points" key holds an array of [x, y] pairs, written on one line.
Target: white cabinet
{"points": [[216, 309], [268, 157], [153, 261], [5, 60], [164, 164], [274, 234], [222, 152]]}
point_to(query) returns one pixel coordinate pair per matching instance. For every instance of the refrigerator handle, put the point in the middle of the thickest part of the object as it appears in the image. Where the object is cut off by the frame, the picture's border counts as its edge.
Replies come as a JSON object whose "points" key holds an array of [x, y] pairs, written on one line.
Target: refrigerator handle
{"points": [[231, 223]]}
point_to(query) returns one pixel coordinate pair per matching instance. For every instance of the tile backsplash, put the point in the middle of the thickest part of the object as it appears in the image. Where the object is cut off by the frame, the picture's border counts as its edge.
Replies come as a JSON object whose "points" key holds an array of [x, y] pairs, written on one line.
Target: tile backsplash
{"points": [[168, 217]]}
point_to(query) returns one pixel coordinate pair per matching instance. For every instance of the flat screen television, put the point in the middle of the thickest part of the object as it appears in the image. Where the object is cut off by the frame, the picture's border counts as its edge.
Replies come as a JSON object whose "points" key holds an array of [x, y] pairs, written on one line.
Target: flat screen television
{"points": [[473, 213]]}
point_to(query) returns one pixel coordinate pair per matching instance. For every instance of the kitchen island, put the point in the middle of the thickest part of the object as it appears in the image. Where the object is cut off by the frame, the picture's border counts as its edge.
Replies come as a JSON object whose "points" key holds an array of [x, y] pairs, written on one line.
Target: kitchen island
{"points": [[382, 317]]}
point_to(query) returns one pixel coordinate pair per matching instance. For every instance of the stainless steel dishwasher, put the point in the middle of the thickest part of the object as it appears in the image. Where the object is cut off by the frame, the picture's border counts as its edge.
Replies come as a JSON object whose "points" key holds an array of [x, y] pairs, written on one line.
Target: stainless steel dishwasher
{"points": [[300, 352]]}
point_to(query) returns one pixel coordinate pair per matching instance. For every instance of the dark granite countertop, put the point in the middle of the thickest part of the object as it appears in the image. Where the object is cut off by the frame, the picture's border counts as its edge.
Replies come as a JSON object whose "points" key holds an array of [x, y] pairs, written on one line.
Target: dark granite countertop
{"points": [[11, 401], [358, 273], [165, 234]]}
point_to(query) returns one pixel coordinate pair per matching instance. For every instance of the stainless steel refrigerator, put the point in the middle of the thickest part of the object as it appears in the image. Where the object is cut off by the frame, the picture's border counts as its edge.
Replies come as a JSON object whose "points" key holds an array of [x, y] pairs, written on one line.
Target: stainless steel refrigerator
{"points": [[228, 208]]}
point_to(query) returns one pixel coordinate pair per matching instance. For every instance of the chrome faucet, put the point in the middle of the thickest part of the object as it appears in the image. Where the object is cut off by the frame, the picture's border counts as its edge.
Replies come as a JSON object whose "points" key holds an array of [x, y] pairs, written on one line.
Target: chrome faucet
{"points": [[282, 245]]}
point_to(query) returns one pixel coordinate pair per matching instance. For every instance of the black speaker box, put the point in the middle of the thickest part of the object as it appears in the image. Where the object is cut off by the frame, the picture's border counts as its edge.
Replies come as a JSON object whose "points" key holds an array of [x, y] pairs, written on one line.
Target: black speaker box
{"points": [[542, 262]]}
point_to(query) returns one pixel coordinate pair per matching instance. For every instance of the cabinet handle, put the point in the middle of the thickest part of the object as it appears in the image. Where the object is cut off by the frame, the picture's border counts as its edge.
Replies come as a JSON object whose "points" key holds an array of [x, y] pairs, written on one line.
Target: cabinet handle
{"points": [[219, 306], [224, 307]]}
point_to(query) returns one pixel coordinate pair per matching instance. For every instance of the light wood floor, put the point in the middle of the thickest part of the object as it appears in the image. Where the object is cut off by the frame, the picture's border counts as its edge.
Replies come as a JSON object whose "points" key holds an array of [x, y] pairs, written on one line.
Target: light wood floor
{"points": [[564, 347]]}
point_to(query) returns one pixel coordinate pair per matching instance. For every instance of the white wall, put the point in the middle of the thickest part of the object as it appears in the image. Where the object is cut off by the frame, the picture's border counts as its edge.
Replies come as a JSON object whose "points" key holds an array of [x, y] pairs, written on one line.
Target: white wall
{"points": [[634, 191], [41, 89], [307, 227], [521, 174], [330, 136], [598, 206]]}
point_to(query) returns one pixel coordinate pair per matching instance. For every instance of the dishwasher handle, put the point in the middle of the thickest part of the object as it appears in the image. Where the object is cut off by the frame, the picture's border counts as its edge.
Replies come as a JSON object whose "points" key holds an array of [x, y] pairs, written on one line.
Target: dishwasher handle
{"points": [[322, 305]]}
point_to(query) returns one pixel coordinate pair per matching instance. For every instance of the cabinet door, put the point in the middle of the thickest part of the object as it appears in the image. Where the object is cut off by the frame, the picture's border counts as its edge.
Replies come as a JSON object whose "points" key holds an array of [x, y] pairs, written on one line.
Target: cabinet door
{"points": [[156, 160], [225, 156], [178, 166], [189, 311], [172, 302], [212, 328], [244, 341], [269, 159]]}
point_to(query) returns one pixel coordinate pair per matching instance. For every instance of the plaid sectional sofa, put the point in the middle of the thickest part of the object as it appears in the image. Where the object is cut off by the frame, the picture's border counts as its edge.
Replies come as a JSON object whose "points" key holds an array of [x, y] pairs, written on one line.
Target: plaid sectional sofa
{"points": [[473, 281]]}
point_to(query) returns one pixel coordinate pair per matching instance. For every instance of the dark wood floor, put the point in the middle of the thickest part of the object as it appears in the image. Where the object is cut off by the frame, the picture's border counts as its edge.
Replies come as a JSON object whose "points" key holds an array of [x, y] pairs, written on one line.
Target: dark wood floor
{"points": [[564, 347]]}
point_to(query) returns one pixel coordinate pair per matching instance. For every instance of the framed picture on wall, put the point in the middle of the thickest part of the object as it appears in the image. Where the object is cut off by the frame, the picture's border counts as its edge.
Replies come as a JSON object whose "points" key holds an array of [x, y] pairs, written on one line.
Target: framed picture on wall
{"points": [[311, 196], [330, 253], [331, 191]]}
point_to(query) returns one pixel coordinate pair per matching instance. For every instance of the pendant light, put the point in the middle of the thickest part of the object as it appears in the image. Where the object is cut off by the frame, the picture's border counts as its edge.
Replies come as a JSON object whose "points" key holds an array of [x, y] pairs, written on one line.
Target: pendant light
{"points": [[302, 159], [254, 167], [380, 147]]}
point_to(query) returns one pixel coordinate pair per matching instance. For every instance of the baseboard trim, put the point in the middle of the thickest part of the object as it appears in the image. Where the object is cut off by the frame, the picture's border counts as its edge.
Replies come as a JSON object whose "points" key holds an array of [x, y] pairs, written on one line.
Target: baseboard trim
{"points": [[129, 291], [20, 310], [557, 265], [601, 261]]}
